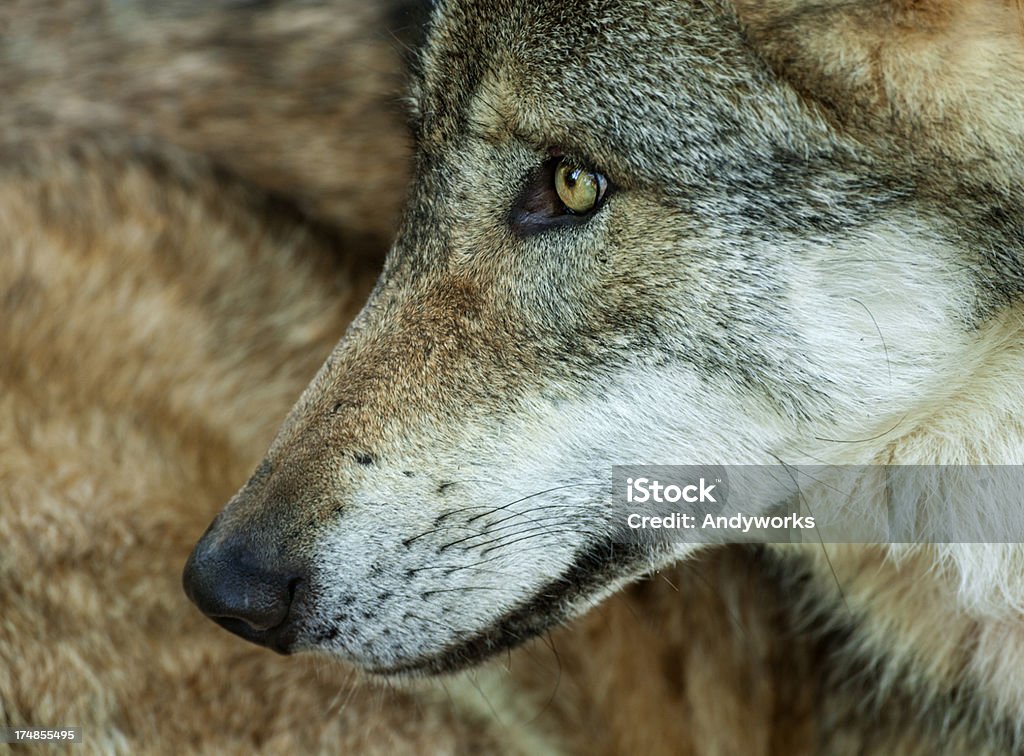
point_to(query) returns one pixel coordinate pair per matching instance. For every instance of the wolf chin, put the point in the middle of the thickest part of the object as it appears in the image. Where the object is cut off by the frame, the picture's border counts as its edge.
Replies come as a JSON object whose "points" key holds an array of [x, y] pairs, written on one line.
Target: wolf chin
{"points": [[799, 242]]}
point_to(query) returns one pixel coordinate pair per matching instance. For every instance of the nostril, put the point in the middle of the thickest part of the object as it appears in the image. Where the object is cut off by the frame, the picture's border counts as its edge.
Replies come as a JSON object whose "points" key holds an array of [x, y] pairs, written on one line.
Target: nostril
{"points": [[260, 600], [239, 591], [259, 618], [235, 625]]}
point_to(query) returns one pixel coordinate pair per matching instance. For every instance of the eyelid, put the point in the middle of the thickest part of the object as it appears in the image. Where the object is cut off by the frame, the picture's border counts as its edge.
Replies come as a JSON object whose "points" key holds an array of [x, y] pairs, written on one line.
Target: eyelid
{"points": [[557, 154]]}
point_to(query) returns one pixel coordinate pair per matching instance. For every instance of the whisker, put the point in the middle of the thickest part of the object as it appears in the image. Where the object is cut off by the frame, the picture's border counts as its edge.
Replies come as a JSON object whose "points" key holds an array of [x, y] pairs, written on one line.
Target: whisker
{"points": [[461, 588], [538, 521], [864, 440], [534, 495], [821, 542], [519, 540], [885, 348], [457, 568]]}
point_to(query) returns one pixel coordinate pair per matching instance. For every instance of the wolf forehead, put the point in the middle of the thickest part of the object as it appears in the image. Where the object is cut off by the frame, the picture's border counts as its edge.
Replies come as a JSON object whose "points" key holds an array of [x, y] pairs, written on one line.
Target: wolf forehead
{"points": [[665, 97], [615, 80]]}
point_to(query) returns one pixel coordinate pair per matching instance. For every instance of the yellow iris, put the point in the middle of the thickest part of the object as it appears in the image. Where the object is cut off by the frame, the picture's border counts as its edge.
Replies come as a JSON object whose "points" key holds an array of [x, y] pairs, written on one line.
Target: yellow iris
{"points": [[578, 188]]}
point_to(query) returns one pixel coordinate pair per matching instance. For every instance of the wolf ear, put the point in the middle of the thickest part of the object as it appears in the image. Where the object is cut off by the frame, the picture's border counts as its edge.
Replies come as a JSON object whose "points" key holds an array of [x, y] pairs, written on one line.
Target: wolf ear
{"points": [[907, 66]]}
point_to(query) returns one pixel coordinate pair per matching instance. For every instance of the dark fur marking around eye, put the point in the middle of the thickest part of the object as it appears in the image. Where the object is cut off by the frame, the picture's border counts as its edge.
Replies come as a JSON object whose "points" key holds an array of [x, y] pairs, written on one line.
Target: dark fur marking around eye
{"points": [[538, 208]]}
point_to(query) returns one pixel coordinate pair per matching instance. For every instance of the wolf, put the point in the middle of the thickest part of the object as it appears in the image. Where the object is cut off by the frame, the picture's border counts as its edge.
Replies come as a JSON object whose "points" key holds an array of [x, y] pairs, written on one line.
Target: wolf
{"points": [[649, 231]]}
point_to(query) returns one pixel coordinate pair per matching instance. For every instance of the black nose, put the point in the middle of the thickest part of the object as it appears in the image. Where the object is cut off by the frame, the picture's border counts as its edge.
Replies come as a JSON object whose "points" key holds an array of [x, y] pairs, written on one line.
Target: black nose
{"points": [[244, 590]]}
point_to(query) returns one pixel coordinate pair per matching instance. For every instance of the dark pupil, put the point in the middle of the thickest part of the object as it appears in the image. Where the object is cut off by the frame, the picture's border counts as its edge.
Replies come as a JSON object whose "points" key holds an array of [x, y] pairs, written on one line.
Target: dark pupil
{"points": [[571, 177]]}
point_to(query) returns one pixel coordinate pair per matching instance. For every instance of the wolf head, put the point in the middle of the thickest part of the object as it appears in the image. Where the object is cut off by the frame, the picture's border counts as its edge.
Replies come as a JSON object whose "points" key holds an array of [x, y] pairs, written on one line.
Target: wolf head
{"points": [[629, 240]]}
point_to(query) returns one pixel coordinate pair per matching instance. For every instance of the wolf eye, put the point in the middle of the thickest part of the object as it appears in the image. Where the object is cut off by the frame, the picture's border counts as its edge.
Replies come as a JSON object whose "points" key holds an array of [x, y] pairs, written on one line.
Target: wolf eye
{"points": [[579, 189], [557, 194]]}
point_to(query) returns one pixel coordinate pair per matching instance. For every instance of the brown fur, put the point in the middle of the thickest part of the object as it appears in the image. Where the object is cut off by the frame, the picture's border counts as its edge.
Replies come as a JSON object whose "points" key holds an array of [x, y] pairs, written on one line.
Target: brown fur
{"points": [[300, 100], [934, 77], [701, 659]]}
